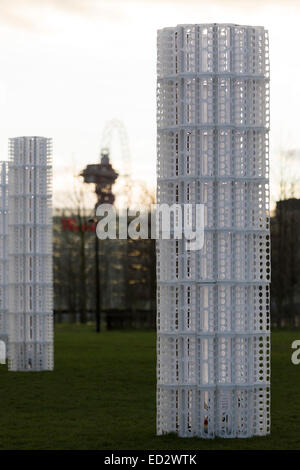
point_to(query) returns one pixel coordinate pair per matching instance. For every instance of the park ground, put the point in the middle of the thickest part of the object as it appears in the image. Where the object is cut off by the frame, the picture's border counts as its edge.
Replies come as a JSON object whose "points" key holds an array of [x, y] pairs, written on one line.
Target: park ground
{"points": [[101, 395]]}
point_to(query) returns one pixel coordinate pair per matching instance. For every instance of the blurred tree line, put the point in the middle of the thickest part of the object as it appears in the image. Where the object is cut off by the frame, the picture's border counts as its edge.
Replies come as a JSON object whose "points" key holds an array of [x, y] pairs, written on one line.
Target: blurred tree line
{"points": [[127, 274], [285, 243], [128, 270]]}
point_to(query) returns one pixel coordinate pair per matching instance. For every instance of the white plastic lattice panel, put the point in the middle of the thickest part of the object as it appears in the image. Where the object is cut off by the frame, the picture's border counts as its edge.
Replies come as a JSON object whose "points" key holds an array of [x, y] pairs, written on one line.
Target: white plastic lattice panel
{"points": [[30, 255], [3, 254], [213, 315]]}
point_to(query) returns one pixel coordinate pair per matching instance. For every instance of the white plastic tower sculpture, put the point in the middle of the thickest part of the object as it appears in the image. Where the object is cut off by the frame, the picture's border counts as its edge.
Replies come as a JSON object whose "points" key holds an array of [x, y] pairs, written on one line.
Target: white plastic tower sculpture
{"points": [[213, 304], [30, 255], [3, 261]]}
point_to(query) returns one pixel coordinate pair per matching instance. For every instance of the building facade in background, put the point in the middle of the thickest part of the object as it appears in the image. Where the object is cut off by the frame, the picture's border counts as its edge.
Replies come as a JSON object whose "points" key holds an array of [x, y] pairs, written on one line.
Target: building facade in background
{"points": [[213, 365], [30, 318], [285, 232]]}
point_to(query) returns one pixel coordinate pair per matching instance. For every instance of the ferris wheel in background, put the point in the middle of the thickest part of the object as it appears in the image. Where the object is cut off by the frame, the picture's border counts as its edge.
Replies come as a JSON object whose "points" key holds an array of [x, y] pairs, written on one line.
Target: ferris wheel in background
{"points": [[126, 190], [124, 186], [112, 127]]}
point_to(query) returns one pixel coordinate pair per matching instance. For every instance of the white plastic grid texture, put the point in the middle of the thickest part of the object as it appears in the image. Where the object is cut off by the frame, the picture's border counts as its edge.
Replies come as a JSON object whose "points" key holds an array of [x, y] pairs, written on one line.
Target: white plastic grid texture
{"points": [[3, 250], [213, 344], [30, 254]]}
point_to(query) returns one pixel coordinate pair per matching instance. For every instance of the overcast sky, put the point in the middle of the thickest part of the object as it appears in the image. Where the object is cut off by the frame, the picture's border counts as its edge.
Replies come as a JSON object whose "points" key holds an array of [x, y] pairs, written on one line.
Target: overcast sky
{"points": [[69, 66]]}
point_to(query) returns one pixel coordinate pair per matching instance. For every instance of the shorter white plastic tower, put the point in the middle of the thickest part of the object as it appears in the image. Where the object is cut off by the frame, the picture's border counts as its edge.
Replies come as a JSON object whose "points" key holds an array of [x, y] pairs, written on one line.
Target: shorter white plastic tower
{"points": [[3, 260], [30, 254]]}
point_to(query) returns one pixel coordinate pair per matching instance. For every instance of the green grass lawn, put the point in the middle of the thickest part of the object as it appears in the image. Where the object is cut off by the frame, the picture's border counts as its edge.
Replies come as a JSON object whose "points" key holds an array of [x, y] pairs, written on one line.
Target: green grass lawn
{"points": [[102, 396]]}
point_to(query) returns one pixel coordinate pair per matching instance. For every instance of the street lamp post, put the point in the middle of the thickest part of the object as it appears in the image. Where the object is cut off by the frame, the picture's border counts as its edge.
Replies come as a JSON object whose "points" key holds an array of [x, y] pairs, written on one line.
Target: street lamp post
{"points": [[103, 176]]}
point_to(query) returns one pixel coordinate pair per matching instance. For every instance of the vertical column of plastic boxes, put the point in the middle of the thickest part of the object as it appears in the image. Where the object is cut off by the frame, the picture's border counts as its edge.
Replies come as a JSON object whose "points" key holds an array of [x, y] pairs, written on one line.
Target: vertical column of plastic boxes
{"points": [[30, 254], [3, 259], [213, 345]]}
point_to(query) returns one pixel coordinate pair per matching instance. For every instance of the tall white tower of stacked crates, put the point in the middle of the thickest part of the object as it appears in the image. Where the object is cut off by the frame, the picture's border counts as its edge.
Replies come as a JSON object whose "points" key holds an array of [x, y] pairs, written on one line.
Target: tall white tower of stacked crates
{"points": [[213, 365], [30, 254], [3, 260]]}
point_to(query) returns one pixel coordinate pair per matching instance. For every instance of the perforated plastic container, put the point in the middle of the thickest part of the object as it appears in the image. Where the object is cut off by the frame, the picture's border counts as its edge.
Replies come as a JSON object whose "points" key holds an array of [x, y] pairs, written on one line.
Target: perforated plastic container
{"points": [[213, 346], [3, 251], [30, 254]]}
